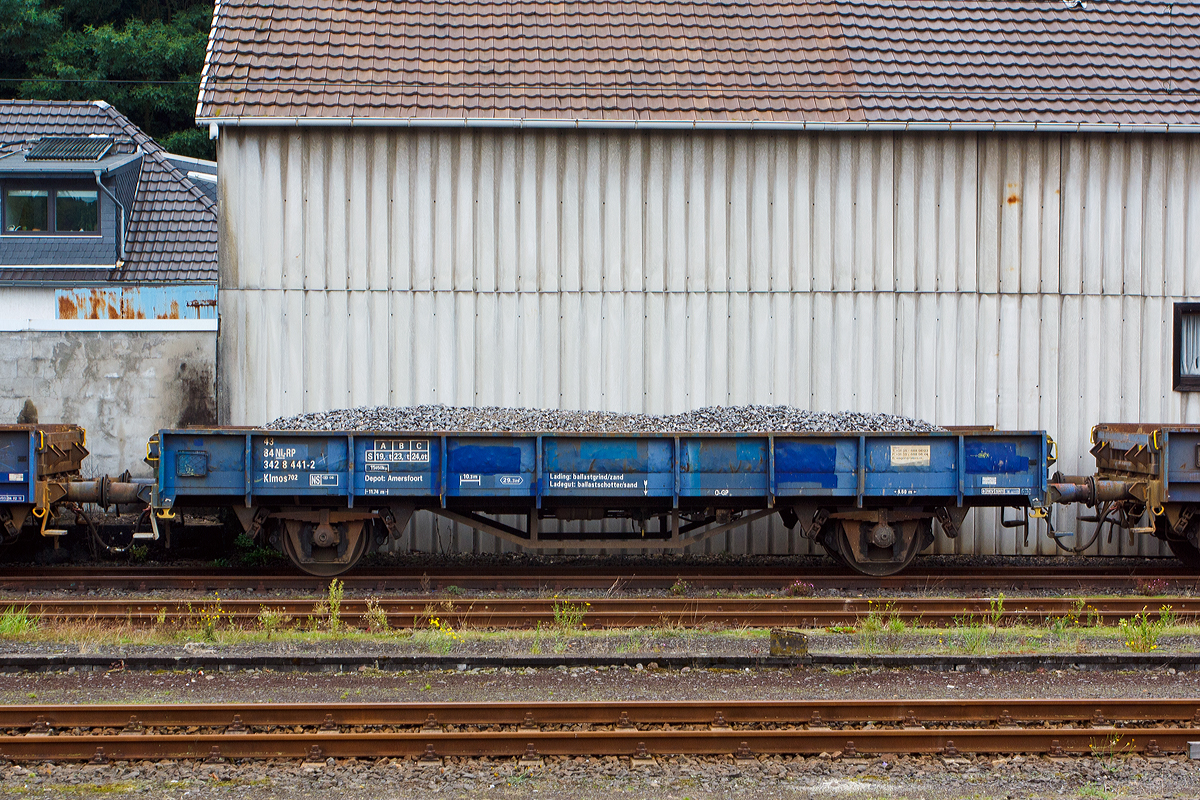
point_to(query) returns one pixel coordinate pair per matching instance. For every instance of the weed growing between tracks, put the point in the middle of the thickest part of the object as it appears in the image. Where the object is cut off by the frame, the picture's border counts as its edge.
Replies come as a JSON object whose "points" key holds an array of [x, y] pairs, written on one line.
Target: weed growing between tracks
{"points": [[458, 625], [210, 617], [442, 637], [334, 601], [568, 616], [446, 637], [16, 622], [1113, 746], [974, 633], [882, 629], [376, 617], [1141, 633], [271, 620]]}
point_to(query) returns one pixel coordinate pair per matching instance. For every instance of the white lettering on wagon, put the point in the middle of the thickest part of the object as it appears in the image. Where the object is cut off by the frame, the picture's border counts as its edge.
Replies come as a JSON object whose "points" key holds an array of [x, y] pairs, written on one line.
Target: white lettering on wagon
{"points": [[399, 451], [599, 480]]}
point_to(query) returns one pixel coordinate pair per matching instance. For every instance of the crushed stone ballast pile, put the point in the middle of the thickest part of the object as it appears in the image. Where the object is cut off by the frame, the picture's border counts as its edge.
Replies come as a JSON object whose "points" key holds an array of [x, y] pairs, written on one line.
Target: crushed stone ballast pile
{"points": [[496, 419]]}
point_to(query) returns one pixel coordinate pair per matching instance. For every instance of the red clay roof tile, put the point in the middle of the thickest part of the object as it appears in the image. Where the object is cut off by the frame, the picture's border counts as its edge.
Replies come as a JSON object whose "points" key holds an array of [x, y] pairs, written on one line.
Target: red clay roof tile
{"points": [[890, 60]]}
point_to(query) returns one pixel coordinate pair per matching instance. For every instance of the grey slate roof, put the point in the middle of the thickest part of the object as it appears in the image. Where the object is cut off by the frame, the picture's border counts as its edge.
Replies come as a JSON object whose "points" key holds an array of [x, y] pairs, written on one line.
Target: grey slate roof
{"points": [[172, 231]]}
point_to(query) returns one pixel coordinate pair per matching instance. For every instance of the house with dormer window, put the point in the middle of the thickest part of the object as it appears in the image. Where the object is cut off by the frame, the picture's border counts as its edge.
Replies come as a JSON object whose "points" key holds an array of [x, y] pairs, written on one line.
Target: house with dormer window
{"points": [[108, 268]]}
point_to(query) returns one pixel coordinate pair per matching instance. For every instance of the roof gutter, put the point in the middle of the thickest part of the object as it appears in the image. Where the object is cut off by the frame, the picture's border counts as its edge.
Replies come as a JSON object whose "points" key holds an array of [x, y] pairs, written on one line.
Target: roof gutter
{"points": [[120, 209], [666, 125]]}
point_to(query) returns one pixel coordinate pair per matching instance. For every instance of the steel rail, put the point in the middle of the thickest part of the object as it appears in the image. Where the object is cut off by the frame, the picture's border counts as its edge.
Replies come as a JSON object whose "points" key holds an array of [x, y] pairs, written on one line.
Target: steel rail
{"points": [[805, 729], [747, 743], [1096, 712], [645, 577], [623, 612]]}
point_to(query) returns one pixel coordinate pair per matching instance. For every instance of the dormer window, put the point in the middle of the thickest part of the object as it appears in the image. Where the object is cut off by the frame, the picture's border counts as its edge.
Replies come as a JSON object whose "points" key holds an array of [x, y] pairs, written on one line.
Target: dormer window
{"points": [[29, 209]]}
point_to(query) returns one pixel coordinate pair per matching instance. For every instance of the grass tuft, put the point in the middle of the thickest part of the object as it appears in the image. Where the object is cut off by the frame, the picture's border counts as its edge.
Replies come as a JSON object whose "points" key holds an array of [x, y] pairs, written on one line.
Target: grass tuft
{"points": [[16, 622]]}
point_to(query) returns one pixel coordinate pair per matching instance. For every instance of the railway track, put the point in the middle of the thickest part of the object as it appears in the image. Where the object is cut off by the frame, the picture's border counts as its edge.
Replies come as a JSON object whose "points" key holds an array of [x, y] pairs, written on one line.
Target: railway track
{"points": [[618, 612], [431, 731], [641, 578]]}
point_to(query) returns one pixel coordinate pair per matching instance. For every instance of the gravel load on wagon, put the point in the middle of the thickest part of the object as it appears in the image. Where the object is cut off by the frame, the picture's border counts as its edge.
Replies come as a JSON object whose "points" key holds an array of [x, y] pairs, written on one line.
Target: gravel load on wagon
{"points": [[495, 419]]}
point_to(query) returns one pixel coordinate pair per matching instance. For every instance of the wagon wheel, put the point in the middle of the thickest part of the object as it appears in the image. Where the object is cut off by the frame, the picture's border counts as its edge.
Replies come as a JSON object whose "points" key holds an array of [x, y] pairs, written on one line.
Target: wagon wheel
{"points": [[325, 550], [1183, 549], [874, 548], [825, 540]]}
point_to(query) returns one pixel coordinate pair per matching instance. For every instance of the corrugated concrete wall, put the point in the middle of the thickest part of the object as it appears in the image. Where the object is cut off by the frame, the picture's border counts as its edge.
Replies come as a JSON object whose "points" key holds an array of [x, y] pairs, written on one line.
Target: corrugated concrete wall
{"points": [[1022, 281], [122, 386]]}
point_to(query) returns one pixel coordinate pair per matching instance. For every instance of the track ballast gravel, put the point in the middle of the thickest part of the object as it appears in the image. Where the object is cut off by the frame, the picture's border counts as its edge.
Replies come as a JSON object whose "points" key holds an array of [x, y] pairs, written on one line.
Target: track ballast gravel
{"points": [[496, 419]]}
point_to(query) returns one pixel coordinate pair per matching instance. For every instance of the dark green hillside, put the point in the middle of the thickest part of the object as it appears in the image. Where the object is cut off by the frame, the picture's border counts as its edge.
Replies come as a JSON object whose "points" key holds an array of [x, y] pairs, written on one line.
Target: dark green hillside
{"points": [[142, 56]]}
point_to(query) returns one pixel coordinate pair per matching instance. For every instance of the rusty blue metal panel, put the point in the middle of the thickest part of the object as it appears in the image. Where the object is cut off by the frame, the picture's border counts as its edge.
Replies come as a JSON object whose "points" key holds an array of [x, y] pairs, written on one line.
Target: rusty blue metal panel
{"points": [[138, 302]]}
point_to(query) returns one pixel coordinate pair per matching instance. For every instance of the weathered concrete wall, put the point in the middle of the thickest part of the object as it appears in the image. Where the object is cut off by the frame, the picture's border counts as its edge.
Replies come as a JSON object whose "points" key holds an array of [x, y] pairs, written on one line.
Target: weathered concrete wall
{"points": [[121, 386]]}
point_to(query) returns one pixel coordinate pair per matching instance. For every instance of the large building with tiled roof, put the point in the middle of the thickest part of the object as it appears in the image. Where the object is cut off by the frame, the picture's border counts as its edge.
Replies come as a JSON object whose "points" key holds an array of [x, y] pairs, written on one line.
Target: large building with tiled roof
{"points": [[108, 267], [978, 213]]}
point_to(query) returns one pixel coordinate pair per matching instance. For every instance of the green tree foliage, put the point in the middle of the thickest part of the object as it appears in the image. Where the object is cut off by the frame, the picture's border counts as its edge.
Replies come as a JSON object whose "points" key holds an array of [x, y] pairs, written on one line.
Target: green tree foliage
{"points": [[26, 29], [142, 57]]}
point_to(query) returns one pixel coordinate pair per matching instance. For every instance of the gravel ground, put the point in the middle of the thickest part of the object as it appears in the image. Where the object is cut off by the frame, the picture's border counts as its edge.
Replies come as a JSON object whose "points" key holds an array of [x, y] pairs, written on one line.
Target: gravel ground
{"points": [[811, 778], [729, 419], [632, 645], [582, 684]]}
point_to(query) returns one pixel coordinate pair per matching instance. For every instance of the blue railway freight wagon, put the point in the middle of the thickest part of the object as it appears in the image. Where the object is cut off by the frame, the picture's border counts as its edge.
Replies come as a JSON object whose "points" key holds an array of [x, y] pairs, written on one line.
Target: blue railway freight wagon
{"points": [[36, 462], [327, 498], [1147, 481], [41, 469]]}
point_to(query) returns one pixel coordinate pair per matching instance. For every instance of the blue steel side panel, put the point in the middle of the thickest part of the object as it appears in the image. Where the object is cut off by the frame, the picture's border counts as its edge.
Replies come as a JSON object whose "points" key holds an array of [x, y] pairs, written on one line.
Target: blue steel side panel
{"points": [[296, 464], [18, 467], [1000, 465], [224, 462], [723, 467], [817, 467], [985, 468], [607, 467], [491, 466], [911, 466], [1182, 460], [395, 465]]}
